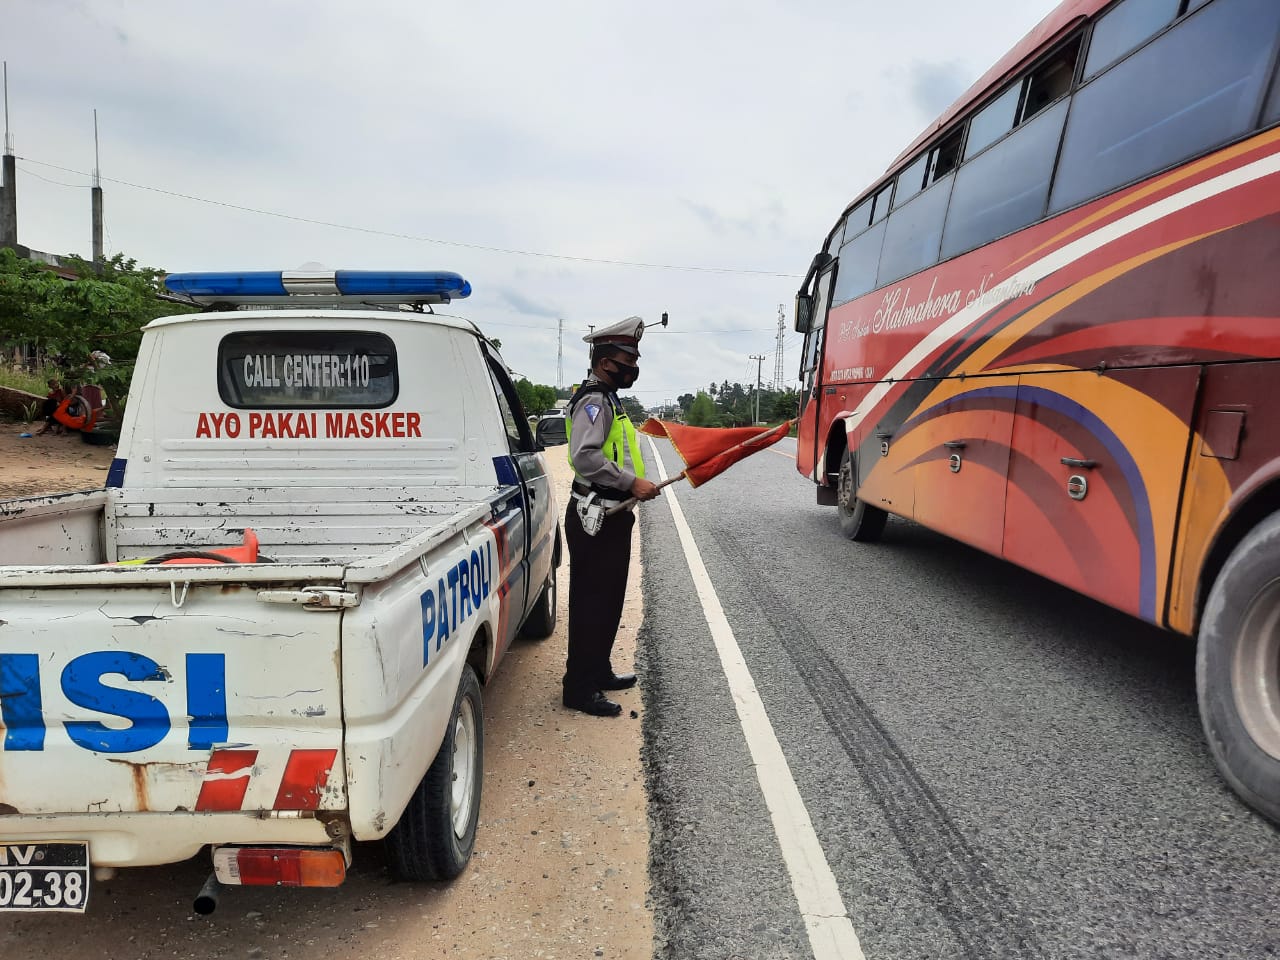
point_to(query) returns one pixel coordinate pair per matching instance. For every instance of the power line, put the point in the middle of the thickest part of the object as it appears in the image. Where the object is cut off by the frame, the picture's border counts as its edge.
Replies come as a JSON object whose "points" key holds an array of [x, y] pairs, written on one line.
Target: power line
{"points": [[418, 239]]}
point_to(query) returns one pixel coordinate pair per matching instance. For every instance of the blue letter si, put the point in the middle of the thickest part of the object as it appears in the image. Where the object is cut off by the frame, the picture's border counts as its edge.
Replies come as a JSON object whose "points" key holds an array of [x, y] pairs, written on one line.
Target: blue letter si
{"points": [[428, 623], [20, 701], [81, 685]]}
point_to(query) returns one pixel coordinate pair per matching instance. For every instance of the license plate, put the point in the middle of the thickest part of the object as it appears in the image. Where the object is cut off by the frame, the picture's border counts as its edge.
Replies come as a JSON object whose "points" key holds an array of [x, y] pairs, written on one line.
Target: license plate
{"points": [[44, 876]]}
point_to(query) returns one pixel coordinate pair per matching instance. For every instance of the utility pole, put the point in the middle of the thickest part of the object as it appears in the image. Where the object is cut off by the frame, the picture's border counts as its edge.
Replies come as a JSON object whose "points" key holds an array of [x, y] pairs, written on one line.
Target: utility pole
{"points": [[96, 200], [9, 198], [778, 375], [759, 358], [560, 358]]}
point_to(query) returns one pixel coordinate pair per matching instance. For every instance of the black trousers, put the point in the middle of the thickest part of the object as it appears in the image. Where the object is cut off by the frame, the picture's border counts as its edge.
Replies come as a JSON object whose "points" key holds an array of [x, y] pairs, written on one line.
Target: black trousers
{"points": [[597, 587]]}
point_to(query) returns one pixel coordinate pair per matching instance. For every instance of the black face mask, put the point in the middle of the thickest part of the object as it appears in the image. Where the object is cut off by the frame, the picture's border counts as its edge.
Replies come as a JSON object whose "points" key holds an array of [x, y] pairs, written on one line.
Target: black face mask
{"points": [[625, 375]]}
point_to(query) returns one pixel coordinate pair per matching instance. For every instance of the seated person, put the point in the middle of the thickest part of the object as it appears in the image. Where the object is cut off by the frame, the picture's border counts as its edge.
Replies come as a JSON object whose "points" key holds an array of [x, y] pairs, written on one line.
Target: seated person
{"points": [[51, 403]]}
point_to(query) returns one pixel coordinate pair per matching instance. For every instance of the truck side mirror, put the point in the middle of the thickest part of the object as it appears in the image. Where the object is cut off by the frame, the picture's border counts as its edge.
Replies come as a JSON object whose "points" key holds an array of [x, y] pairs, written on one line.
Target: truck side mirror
{"points": [[804, 313]]}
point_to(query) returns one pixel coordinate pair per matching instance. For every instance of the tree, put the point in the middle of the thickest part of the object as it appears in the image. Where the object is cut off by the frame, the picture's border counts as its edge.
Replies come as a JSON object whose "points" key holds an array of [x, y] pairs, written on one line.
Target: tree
{"points": [[635, 410], [785, 405], [103, 308], [702, 412], [686, 401]]}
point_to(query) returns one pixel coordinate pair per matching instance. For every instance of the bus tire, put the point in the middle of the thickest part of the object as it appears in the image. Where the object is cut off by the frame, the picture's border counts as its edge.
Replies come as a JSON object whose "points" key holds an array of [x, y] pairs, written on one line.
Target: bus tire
{"points": [[1237, 670], [541, 622], [437, 831], [858, 520]]}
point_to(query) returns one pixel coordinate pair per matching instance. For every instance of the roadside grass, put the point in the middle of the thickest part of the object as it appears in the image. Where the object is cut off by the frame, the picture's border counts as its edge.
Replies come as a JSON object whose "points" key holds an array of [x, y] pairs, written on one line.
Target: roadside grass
{"points": [[36, 382]]}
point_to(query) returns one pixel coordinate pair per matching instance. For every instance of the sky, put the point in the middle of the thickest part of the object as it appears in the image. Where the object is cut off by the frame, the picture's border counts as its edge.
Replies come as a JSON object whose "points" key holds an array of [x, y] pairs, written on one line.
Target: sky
{"points": [[575, 161]]}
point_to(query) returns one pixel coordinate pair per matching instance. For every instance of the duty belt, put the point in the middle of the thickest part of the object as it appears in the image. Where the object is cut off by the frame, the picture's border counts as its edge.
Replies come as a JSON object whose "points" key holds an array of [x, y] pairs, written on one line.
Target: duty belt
{"points": [[611, 494]]}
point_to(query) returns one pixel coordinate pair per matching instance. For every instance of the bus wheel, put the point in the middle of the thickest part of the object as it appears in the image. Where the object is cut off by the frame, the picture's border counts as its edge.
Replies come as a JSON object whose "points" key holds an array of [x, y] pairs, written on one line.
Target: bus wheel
{"points": [[437, 831], [858, 520], [1238, 669]]}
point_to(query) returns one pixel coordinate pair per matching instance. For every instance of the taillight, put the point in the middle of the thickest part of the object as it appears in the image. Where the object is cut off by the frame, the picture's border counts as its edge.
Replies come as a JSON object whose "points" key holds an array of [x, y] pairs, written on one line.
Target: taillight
{"points": [[280, 866]]}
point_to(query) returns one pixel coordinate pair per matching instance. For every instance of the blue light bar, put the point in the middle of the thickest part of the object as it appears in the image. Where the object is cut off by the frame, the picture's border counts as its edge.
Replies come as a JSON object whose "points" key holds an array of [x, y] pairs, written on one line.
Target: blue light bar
{"points": [[408, 283], [258, 283], [350, 286]]}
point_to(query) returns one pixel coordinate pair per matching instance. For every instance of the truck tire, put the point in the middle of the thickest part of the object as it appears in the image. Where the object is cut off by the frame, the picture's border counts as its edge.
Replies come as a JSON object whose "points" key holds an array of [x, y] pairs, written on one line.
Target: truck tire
{"points": [[437, 831], [1238, 670], [858, 520], [541, 622]]}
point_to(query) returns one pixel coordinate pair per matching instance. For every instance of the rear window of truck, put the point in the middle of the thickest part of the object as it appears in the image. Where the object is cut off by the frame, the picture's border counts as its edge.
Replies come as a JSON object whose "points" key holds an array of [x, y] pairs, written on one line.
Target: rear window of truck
{"points": [[307, 368]]}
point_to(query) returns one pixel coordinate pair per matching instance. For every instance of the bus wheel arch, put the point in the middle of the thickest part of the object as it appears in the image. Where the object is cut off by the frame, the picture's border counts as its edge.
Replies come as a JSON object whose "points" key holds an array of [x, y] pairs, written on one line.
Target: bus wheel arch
{"points": [[859, 520], [1238, 668], [1261, 504]]}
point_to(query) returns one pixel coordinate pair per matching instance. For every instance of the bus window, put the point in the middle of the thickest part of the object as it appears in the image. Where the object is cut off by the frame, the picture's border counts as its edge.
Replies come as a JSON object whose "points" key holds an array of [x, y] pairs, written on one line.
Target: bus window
{"points": [[993, 121], [837, 238], [1050, 81], [880, 209], [1006, 187], [911, 181], [945, 157], [859, 260], [1191, 89], [914, 234], [859, 219], [1272, 113], [1124, 27]]}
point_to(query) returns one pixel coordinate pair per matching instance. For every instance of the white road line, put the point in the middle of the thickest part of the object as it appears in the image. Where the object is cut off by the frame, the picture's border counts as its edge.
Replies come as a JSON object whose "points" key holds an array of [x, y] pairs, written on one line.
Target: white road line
{"points": [[831, 933]]}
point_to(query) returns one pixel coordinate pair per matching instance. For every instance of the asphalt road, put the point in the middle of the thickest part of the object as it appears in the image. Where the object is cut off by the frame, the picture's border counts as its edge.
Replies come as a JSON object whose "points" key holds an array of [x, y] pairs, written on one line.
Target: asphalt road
{"points": [[993, 766]]}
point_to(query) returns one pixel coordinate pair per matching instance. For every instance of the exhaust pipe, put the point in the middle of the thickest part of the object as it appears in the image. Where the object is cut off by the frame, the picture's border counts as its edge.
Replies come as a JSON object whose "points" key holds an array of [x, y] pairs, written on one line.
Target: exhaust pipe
{"points": [[207, 899]]}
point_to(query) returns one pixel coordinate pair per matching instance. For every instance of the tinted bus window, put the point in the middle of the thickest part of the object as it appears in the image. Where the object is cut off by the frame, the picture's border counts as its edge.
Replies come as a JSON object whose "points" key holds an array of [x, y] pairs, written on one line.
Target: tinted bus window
{"points": [[837, 238], [307, 368], [914, 234], [1272, 113], [1050, 81], [880, 209], [1125, 27], [1005, 188], [1191, 89], [993, 121], [859, 260], [911, 181]]}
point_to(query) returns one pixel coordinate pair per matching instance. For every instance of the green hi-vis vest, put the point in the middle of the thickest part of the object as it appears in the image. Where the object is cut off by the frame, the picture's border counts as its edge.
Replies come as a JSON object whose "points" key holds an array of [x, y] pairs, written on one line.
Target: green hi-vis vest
{"points": [[622, 445]]}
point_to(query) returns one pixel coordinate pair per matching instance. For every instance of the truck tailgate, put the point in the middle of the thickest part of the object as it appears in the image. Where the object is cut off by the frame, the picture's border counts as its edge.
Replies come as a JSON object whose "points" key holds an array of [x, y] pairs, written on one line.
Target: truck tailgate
{"points": [[178, 696]]}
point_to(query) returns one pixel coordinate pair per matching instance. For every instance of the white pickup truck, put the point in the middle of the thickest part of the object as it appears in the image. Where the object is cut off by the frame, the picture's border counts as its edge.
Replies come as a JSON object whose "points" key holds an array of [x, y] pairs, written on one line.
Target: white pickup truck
{"points": [[267, 635]]}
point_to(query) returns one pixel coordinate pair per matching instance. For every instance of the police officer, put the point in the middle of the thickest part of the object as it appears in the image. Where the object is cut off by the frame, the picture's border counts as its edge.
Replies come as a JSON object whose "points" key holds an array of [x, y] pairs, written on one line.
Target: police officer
{"points": [[604, 452]]}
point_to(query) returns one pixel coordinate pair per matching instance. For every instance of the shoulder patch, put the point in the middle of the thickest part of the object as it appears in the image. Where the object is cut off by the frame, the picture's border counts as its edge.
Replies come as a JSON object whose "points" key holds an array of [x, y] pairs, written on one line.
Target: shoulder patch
{"points": [[592, 410]]}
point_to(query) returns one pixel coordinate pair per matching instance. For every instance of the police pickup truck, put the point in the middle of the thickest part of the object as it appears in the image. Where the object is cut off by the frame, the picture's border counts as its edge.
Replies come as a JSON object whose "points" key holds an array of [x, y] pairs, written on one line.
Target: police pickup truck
{"points": [[267, 635]]}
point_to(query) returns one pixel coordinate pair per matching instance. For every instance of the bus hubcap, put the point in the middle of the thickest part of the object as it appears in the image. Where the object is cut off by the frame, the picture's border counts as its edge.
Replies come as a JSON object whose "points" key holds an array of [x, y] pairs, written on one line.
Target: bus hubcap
{"points": [[1256, 671]]}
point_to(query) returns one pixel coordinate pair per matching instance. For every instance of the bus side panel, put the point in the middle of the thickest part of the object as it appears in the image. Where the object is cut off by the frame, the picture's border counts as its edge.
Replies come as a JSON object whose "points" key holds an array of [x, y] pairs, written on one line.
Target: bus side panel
{"points": [[957, 449], [1094, 479], [1233, 455]]}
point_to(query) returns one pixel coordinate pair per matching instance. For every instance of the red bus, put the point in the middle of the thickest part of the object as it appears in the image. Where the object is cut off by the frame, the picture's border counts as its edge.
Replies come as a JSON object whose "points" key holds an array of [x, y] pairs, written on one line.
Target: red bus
{"points": [[1052, 331]]}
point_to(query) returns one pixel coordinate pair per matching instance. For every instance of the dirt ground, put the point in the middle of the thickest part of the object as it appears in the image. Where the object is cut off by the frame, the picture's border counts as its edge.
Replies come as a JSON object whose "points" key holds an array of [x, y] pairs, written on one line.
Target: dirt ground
{"points": [[48, 464], [560, 868]]}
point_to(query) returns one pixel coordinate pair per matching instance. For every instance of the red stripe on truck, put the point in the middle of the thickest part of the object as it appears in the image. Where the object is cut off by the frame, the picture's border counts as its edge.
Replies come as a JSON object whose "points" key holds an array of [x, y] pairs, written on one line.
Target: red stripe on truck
{"points": [[221, 790], [304, 777]]}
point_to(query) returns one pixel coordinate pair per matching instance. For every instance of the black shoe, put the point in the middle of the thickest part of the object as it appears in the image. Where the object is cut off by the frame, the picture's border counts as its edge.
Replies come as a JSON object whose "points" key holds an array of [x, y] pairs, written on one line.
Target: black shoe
{"points": [[619, 681], [596, 704]]}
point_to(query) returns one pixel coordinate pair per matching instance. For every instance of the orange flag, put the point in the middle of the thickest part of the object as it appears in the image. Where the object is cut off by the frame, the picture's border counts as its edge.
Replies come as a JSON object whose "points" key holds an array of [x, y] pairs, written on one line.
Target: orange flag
{"points": [[709, 451]]}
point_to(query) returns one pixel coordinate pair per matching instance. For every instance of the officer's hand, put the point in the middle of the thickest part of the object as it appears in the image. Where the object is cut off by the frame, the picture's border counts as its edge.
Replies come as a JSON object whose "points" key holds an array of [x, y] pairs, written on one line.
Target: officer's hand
{"points": [[642, 489]]}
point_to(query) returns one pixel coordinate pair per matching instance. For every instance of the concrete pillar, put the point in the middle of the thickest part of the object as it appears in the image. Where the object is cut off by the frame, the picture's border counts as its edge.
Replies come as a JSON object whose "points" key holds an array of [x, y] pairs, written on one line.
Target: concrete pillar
{"points": [[9, 202], [97, 225]]}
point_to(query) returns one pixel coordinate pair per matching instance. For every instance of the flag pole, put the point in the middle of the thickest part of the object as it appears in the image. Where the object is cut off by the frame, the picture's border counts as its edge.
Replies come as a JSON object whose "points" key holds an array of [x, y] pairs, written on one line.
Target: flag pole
{"points": [[628, 504]]}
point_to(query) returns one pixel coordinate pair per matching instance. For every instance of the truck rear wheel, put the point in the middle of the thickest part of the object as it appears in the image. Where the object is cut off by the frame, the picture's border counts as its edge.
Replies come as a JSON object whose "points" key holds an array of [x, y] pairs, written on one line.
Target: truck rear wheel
{"points": [[1238, 669], [541, 622], [437, 831], [858, 520]]}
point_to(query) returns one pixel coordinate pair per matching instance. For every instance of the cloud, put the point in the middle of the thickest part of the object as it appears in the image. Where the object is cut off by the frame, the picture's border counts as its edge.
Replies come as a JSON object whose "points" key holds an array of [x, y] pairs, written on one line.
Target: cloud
{"points": [[527, 305], [935, 86]]}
